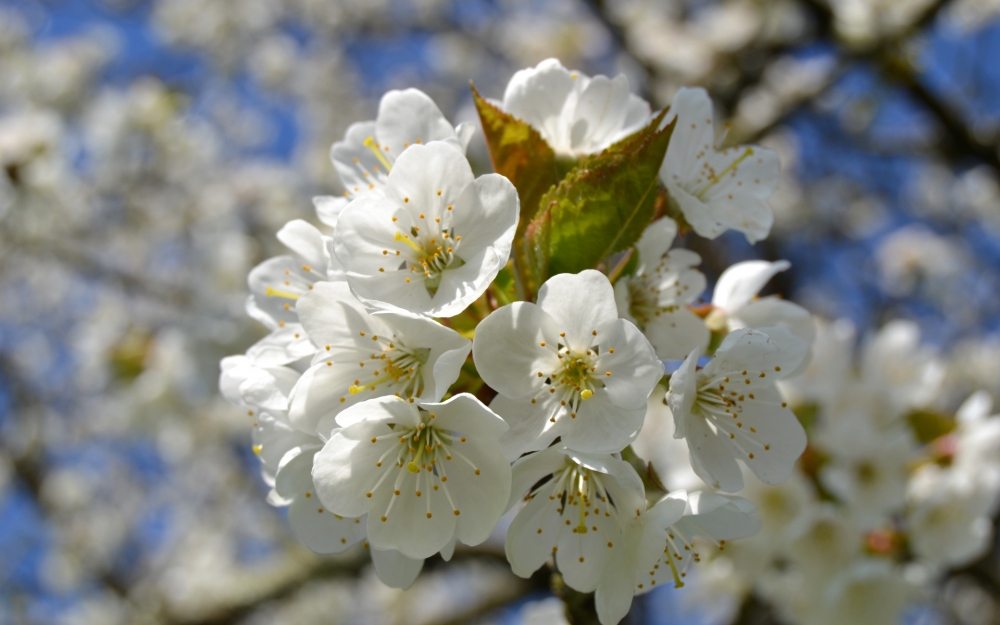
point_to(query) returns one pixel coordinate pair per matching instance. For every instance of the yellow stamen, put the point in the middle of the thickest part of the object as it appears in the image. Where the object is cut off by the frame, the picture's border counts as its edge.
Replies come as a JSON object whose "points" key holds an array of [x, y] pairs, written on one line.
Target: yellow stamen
{"points": [[586, 394], [405, 239], [276, 293], [370, 144]]}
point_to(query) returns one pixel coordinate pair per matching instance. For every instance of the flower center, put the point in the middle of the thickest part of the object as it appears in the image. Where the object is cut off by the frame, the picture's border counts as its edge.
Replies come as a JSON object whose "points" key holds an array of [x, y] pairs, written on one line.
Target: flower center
{"points": [[644, 301], [577, 487], [424, 451], [431, 255], [401, 367], [722, 405]]}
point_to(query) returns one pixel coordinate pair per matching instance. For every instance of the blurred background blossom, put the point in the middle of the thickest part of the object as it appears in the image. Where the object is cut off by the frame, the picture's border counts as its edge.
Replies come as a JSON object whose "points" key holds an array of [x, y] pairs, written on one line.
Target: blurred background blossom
{"points": [[150, 149]]}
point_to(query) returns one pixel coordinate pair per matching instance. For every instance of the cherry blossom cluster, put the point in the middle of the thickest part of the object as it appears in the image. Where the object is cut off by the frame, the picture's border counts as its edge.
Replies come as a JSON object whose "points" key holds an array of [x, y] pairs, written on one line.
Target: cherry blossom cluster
{"points": [[398, 405], [893, 492]]}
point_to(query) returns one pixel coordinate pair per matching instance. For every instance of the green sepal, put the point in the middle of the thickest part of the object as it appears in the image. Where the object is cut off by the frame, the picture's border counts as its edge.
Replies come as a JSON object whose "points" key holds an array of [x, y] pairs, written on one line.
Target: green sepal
{"points": [[504, 287], [519, 153], [603, 206], [928, 425], [535, 245]]}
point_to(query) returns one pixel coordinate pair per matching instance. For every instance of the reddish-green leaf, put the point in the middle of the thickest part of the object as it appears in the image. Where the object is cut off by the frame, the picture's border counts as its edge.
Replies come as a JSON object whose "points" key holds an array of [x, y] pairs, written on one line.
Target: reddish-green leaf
{"points": [[603, 206]]}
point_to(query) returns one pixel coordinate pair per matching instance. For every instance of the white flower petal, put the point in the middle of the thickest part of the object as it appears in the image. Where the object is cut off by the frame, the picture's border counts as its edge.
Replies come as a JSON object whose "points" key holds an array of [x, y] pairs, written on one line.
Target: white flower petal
{"points": [[561, 296], [385, 409], [353, 160], [774, 352], [406, 526], [684, 391], [532, 535], [617, 586], [673, 335], [744, 213], [318, 393], [508, 348], [479, 497], [712, 457], [305, 241], [321, 530], [633, 365], [739, 284], [273, 438], [465, 413], [601, 426], [527, 471], [328, 208], [655, 241], [277, 282], [600, 113], [539, 97], [582, 557], [345, 469], [694, 134], [772, 311], [410, 117], [530, 428], [720, 517], [394, 569], [283, 346]]}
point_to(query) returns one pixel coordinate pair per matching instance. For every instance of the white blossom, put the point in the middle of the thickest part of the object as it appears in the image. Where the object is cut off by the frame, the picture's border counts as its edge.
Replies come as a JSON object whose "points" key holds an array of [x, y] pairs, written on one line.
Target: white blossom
{"points": [[278, 282], [717, 190], [868, 468], [369, 149], [575, 114], [659, 544], [656, 444], [425, 473], [575, 515], [949, 516], [732, 409], [361, 355], [735, 303], [321, 530], [435, 240], [656, 297], [245, 383], [871, 592], [567, 366]]}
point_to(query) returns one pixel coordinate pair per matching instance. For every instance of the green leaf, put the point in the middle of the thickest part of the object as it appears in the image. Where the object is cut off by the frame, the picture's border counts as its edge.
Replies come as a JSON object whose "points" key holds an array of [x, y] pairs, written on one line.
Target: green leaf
{"points": [[629, 144], [535, 247], [928, 425], [504, 286], [520, 154], [603, 206]]}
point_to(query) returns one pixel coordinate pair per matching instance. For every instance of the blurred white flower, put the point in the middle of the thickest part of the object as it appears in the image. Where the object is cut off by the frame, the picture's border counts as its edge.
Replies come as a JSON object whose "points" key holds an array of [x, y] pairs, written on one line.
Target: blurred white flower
{"points": [[868, 468], [949, 517]]}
